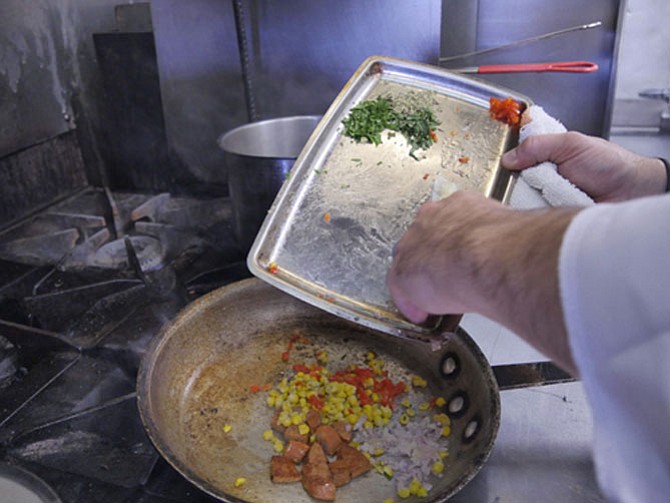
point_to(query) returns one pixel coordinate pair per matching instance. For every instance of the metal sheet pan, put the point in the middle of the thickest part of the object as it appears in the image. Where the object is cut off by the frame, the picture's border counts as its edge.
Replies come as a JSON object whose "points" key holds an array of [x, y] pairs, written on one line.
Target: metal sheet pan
{"points": [[329, 234]]}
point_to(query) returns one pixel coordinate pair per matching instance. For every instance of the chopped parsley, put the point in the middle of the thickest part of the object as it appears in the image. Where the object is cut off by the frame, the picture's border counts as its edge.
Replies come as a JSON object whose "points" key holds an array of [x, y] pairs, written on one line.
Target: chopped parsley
{"points": [[368, 119]]}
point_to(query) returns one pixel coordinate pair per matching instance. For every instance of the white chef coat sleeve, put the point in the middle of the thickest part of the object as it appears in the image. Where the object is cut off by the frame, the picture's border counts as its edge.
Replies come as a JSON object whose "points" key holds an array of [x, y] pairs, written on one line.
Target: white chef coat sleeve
{"points": [[614, 277]]}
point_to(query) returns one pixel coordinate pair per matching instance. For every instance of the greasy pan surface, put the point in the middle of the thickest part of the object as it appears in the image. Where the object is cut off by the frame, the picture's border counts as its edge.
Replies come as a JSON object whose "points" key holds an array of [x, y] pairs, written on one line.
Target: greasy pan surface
{"points": [[196, 375]]}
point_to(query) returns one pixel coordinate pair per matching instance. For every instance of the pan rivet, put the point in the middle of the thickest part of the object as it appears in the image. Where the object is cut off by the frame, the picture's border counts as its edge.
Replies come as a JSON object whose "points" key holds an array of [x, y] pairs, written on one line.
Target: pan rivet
{"points": [[471, 429], [456, 404], [449, 366]]}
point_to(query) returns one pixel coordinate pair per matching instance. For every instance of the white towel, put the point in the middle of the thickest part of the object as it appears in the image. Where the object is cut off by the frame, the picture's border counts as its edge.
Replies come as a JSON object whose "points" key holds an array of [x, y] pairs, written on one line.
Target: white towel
{"points": [[542, 185]]}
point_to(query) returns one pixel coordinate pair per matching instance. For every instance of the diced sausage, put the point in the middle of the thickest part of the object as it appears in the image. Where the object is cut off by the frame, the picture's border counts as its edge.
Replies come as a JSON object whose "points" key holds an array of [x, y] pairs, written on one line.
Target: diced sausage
{"points": [[320, 488], [358, 463], [293, 433], [283, 471], [316, 470], [316, 476], [316, 455], [328, 438], [344, 430], [274, 424], [313, 420], [296, 451], [341, 472]]}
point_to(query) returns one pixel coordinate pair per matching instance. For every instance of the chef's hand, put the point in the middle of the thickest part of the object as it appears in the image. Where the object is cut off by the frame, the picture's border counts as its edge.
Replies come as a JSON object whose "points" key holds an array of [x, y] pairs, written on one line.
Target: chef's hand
{"points": [[468, 253], [604, 170]]}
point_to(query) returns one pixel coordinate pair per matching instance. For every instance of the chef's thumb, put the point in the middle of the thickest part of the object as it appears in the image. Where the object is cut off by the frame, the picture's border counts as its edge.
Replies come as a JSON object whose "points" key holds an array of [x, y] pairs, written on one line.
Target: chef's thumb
{"points": [[407, 308]]}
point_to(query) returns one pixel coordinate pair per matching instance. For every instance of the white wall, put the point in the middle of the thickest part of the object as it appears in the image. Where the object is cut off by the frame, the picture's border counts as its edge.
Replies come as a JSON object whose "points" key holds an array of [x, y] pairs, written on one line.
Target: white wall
{"points": [[644, 54]]}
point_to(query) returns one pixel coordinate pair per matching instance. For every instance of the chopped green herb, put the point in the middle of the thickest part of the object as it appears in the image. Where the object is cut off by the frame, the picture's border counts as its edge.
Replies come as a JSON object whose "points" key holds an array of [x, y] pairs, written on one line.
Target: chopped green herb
{"points": [[368, 119]]}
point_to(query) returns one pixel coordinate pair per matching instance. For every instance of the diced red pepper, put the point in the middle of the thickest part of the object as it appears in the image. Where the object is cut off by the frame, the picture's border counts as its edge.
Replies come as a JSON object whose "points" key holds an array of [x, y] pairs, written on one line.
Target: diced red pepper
{"points": [[315, 402]]}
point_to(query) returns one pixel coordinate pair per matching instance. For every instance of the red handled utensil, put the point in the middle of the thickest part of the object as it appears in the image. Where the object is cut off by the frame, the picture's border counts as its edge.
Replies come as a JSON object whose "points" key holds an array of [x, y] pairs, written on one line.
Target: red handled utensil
{"points": [[560, 66]]}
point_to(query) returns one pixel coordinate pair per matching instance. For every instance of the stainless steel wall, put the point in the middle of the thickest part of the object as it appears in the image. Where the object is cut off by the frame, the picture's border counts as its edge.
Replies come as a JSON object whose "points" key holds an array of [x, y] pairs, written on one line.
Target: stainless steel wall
{"points": [[581, 101], [48, 70], [301, 54]]}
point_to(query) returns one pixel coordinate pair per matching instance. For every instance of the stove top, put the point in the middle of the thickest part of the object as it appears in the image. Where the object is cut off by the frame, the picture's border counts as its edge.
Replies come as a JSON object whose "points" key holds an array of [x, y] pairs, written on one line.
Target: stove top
{"points": [[84, 286]]}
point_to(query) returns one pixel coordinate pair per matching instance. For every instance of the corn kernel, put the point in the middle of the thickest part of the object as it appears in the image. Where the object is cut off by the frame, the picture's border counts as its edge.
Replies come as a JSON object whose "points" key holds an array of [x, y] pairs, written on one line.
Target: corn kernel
{"points": [[303, 429], [227, 428], [443, 419], [446, 431], [240, 481], [443, 454], [422, 492], [268, 435], [388, 471], [378, 451], [410, 413], [438, 467], [403, 419], [406, 403], [440, 401], [419, 382], [278, 445], [424, 407], [404, 492]]}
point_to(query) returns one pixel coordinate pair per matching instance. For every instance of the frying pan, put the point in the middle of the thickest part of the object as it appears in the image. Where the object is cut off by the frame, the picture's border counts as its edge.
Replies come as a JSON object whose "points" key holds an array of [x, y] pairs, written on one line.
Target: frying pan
{"points": [[196, 376]]}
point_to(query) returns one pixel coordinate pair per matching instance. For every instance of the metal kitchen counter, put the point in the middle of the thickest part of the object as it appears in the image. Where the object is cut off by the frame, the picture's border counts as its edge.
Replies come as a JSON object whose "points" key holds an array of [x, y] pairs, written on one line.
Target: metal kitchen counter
{"points": [[543, 450]]}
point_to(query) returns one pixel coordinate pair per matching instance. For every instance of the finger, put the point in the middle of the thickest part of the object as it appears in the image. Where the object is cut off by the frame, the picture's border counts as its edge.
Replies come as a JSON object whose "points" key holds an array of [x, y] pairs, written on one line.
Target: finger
{"points": [[409, 310], [533, 151], [406, 307]]}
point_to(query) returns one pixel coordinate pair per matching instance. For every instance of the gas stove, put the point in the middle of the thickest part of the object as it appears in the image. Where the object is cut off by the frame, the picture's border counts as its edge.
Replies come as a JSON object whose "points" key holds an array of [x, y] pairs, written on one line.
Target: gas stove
{"points": [[85, 284]]}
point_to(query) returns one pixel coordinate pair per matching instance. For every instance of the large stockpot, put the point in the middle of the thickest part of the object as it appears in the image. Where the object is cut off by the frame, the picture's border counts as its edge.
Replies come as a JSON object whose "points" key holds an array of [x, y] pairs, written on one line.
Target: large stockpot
{"points": [[196, 376], [258, 157]]}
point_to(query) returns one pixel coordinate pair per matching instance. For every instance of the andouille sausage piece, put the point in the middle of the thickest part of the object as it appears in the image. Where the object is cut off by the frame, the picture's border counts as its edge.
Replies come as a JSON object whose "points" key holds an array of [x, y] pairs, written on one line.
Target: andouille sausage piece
{"points": [[283, 471], [293, 433], [344, 430], [296, 451], [274, 424], [316, 476], [313, 419], [328, 438], [341, 472], [358, 463]]}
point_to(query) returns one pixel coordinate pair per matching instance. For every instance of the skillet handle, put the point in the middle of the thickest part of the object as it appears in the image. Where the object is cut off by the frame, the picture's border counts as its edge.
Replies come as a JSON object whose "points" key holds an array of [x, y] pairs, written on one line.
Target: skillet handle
{"points": [[527, 375]]}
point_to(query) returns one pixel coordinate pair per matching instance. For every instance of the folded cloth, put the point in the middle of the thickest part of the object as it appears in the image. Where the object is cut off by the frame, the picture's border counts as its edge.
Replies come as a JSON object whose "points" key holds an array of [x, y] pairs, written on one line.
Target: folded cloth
{"points": [[542, 185]]}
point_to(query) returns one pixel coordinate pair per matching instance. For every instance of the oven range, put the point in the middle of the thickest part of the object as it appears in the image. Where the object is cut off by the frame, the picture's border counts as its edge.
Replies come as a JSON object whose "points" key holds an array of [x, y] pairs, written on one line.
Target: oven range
{"points": [[84, 285]]}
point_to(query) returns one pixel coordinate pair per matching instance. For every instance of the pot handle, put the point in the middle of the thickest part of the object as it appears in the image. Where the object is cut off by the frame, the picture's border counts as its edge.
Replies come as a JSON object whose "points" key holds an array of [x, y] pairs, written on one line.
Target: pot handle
{"points": [[527, 375]]}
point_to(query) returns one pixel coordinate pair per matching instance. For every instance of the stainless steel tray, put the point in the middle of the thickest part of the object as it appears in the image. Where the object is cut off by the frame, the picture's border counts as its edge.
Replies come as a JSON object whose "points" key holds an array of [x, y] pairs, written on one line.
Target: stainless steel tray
{"points": [[329, 234]]}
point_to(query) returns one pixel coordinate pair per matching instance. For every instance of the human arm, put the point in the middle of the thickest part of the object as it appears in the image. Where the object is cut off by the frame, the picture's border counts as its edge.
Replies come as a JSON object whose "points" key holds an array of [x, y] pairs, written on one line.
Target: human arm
{"points": [[614, 271], [467, 253], [605, 171]]}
